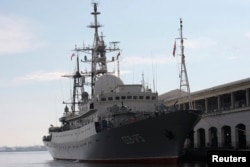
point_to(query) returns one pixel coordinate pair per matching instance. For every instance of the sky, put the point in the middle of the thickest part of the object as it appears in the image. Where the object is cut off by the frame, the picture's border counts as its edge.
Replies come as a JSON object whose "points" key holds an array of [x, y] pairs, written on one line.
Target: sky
{"points": [[37, 39]]}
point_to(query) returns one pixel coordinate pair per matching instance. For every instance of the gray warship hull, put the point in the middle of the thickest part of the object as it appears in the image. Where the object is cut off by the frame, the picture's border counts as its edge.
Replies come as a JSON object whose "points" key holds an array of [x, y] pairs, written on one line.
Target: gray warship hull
{"points": [[159, 138]]}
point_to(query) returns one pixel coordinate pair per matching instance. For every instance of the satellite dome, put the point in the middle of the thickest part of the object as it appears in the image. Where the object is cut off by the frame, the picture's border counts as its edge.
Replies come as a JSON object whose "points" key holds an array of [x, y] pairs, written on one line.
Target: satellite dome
{"points": [[107, 83]]}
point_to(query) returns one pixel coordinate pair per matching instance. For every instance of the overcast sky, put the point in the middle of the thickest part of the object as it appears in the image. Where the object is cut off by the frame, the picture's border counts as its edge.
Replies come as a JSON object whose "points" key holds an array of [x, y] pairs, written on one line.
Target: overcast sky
{"points": [[37, 38]]}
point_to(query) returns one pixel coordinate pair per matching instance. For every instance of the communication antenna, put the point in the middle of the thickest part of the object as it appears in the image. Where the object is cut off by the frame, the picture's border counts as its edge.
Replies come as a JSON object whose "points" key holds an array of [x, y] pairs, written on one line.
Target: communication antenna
{"points": [[114, 43], [153, 72], [143, 82]]}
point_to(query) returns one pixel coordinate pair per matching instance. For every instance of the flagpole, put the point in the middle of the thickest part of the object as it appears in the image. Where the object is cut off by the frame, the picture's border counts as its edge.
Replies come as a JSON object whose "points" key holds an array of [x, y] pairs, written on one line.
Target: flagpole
{"points": [[174, 49]]}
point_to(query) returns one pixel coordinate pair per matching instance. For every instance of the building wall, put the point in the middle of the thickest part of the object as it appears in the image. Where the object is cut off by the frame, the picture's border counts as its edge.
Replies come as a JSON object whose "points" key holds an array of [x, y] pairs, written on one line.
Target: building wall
{"points": [[225, 120], [219, 121]]}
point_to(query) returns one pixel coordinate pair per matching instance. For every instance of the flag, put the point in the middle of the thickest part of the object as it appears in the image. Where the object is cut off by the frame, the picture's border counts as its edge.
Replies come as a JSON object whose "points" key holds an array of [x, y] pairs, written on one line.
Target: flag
{"points": [[174, 48], [72, 55], [118, 55]]}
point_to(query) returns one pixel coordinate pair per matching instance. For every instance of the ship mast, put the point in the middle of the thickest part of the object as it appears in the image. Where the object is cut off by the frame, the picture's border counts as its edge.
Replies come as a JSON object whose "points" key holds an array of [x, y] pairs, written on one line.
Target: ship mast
{"points": [[79, 81], [98, 52], [96, 25], [184, 83]]}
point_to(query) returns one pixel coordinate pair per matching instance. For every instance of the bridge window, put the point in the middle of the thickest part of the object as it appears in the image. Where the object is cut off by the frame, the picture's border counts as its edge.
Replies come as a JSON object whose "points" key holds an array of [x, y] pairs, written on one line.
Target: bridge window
{"points": [[110, 98], [117, 98], [147, 97], [141, 97], [135, 97], [123, 97], [129, 97]]}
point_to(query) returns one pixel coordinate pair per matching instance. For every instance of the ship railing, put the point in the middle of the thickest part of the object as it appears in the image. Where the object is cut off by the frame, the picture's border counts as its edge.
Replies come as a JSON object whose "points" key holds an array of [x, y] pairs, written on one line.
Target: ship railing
{"points": [[47, 138], [109, 122], [103, 125], [54, 129]]}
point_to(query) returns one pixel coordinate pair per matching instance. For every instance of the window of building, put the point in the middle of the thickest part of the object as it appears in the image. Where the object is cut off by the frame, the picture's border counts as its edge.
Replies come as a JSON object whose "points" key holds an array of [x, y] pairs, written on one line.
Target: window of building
{"points": [[91, 105], [103, 99]]}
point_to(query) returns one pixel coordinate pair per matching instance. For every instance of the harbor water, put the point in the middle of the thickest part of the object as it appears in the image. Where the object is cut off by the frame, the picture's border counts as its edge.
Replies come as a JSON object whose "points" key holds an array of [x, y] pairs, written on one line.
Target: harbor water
{"points": [[43, 159]]}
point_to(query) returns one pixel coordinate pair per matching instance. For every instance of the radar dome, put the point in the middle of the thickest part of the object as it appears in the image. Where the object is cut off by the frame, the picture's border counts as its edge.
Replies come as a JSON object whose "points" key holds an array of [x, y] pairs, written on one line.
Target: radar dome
{"points": [[107, 83]]}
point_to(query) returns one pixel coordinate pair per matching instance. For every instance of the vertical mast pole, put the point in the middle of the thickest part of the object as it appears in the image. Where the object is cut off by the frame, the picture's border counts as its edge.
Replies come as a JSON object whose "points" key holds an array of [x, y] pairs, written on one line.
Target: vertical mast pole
{"points": [[76, 84], [118, 67], [95, 13], [184, 83], [94, 50]]}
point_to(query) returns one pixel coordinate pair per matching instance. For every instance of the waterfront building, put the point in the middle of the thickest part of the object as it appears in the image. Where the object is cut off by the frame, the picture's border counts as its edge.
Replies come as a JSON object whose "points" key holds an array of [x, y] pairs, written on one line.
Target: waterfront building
{"points": [[225, 120]]}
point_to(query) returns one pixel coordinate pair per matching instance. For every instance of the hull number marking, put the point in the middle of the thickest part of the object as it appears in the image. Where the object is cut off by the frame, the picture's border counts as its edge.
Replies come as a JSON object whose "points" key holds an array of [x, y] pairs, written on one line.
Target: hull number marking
{"points": [[132, 139]]}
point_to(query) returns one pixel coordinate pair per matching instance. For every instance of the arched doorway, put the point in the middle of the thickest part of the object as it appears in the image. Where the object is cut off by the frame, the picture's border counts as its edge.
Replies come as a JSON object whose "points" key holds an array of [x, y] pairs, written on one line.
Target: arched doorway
{"points": [[213, 137], [201, 140], [240, 130], [226, 136], [190, 140]]}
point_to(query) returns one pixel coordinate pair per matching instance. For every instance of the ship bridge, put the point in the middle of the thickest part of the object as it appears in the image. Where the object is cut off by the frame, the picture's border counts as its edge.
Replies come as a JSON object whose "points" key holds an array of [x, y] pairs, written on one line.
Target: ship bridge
{"points": [[110, 91]]}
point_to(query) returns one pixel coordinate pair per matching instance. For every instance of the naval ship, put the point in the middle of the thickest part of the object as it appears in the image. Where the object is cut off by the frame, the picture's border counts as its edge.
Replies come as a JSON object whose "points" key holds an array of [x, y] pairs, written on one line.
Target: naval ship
{"points": [[113, 121]]}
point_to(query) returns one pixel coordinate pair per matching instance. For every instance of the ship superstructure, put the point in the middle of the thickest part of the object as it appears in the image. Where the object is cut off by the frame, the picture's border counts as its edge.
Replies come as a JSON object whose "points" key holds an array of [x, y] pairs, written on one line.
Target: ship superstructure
{"points": [[115, 121]]}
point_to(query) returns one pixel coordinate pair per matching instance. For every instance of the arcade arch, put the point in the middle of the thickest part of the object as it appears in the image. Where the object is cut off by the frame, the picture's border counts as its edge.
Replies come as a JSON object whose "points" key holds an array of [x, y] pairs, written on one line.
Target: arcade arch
{"points": [[213, 137], [226, 136], [240, 134], [201, 138]]}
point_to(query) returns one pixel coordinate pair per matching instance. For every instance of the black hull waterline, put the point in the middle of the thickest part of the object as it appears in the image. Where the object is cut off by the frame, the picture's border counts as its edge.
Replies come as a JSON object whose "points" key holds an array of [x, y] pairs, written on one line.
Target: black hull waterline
{"points": [[158, 138]]}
